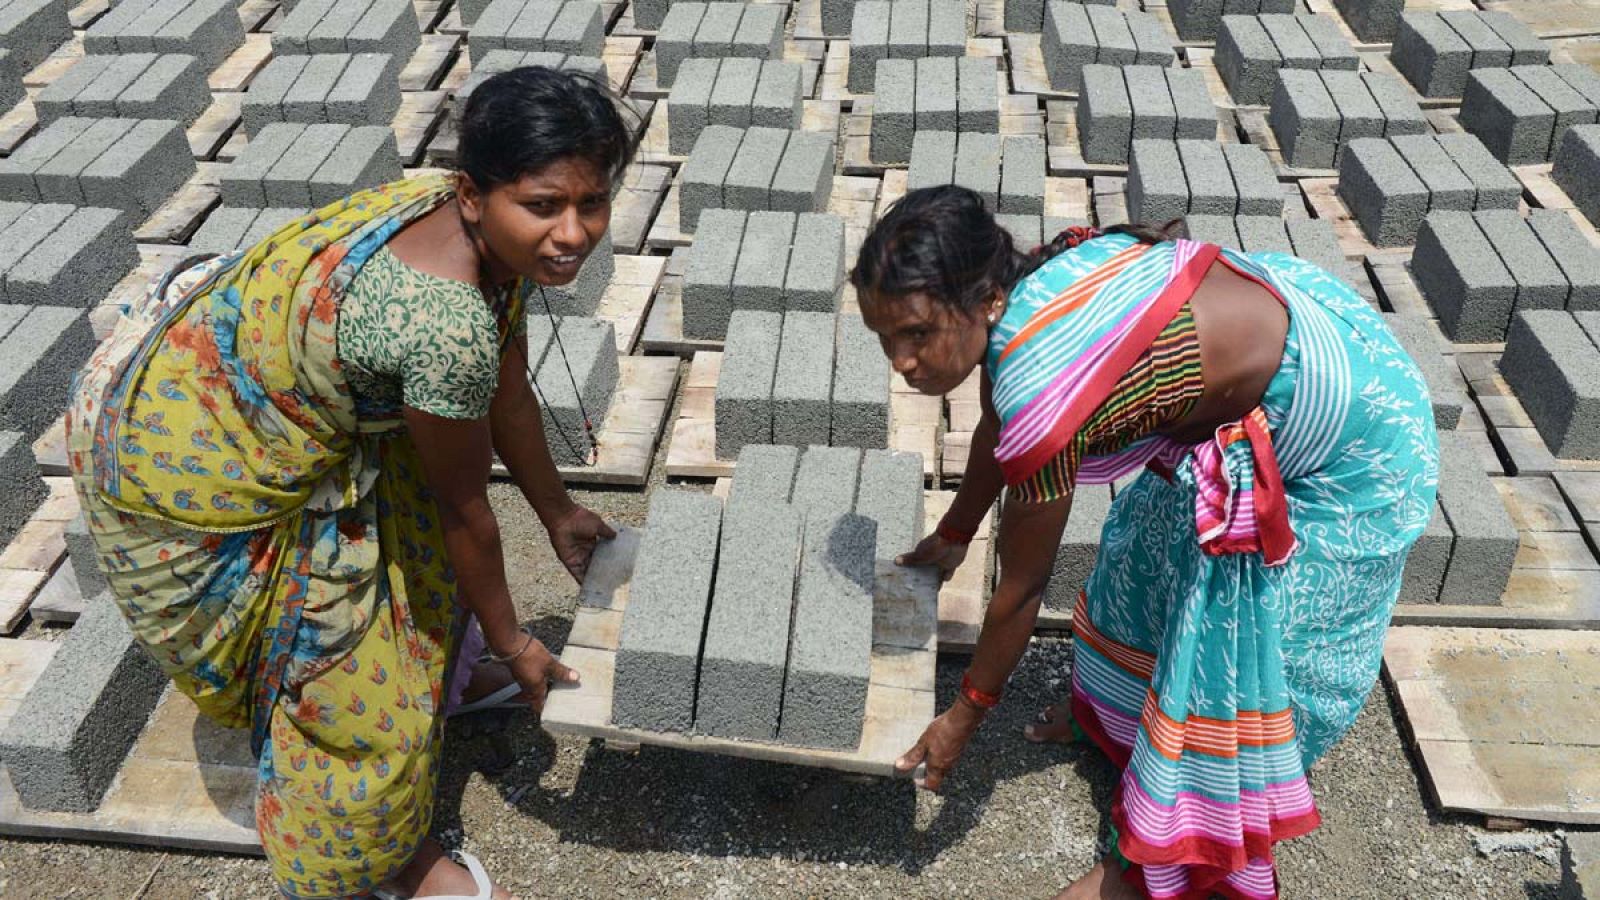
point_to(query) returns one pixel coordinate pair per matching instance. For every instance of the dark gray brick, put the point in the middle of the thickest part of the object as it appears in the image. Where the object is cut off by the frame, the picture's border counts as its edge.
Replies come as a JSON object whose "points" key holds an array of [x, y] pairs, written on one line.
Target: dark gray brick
{"points": [[708, 276], [1192, 103], [1462, 278], [869, 43], [1157, 191], [208, 29], [936, 94], [1211, 188], [31, 30], [703, 174], [1068, 44], [288, 182], [1079, 547], [1372, 21], [1263, 234], [735, 89], [60, 179], [1421, 340], [1431, 55], [1577, 169], [1448, 186], [1219, 230], [675, 39], [744, 386], [758, 279], [1315, 242], [978, 165], [1105, 115], [1579, 260], [1305, 120], [1360, 114], [979, 103], [1382, 192], [230, 228], [1526, 47], [1488, 50], [78, 264], [1570, 107], [241, 180], [365, 158], [1254, 181], [1294, 46], [805, 175], [1428, 560], [1485, 537], [1507, 116], [1153, 112], [894, 110], [147, 166], [1330, 42], [582, 295], [1493, 183], [803, 386], [1196, 20], [860, 412], [1540, 284], [690, 108], [1023, 164], [830, 652], [816, 264], [40, 357]]}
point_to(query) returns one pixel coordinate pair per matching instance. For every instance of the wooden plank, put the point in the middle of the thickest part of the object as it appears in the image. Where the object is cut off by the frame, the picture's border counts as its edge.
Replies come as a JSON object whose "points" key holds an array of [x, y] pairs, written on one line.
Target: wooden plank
{"points": [[634, 207], [242, 65], [1322, 195], [1553, 18], [415, 123], [428, 65], [21, 662], [211, 131], [1028, 75], [1535, 598], [17, 125], [183, 212], [1110, 199]]}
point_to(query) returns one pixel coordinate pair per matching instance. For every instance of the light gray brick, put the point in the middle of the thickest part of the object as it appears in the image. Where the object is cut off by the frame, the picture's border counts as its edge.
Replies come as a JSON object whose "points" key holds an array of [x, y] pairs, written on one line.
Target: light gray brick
{"points": [[1157, 191], [1494, 185], [758, 279], [744, 386], [1305, 120], [816, 264], [365, 158], [894, 110], [860, 412], [708, 277], [778, 101], [749, 181], [1153, 112], [1105, 115], [1485, 537], [979, 104], [78, 265], [1206, 171], [1382, 192], [825, 483], [933, 159], [586, 354], [830, 653], [804, 178], [735, 89], [803, 386], [1578, 258], [1507, 116], [1254, 181], [242, 180], [1431, 55], [890, 494], [703, 174], [869, 43], [936, 94], [1540, 283], [1428, 560], [1023, 164]]}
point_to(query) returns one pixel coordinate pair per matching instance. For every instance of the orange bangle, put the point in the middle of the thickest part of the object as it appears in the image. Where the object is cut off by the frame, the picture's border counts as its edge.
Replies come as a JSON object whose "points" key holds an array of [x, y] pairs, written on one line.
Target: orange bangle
{"points": [[980, 699], [951, 535]]}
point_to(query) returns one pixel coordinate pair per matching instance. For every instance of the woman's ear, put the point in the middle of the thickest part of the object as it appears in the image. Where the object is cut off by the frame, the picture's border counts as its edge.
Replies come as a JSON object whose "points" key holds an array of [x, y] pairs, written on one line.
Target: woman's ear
{"points": [[996, 307], [469, 198]]}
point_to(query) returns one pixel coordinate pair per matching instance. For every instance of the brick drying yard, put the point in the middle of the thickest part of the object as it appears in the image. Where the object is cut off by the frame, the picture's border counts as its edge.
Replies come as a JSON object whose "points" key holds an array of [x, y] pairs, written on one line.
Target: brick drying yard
{"points": [[1442, 155]]}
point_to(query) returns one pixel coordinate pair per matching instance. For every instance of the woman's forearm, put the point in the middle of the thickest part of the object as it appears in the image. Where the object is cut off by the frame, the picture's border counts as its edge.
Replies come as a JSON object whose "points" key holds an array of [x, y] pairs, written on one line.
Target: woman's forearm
{"points": [[472, 540], [1029, 535], [519, 441]]}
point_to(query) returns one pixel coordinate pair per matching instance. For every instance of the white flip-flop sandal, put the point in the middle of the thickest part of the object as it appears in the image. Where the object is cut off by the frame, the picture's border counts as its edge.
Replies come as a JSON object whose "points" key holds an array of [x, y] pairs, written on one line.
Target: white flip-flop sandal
{"points": [[480, 880], [501, 699]]}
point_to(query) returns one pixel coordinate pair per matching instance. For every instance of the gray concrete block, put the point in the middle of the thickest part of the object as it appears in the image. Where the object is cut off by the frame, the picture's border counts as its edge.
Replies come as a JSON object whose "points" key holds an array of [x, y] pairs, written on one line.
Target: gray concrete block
{"points": [[366, 157], [1448, 186], [744, 386], [1462, 278], [149, 164], [830, 650], [582, 295], [1431, 55], [1421, 340], [1488, 50], [749, 181], [78, 264], [1254, 180], [860, 412], [76, 724], [135, 85], [760, 32], [779, 97], [979, 103], [1382, 192], [306, 99], [1112, 35], [758, 279], [1570, 107], [1507, 116], [1153, 112], [708, 276], [1540, 283], [1485, 537], [735, 90], [1196, 20], [1526, 47], [825, 483], [1105, 115], [747, 632], [869, 43], [1577, 169], [891, 495], [894, 110], [1578, 258], [1023, 164], [1372, 21], [908, 29], [1152, 45], [689, 105], [208, 29], [31, 30], [718, 29], [933, 159], [802, 389], [1263, 234], [816, 264], [804, 179], [1580, 865], [1493, 184], [59, 179], [1360, 114], [1068, 44], [590, 350], [1428, 561], [1305, 120], [84, 558], [367, 92], [764, 474], [1582, 78], [702, 175], [42, 353], [230, 228], [936, 94], [263, 101], [24, 226], [1210, 186], [1157, 191], [241, 180], [1315, 242], [837, 16], [658, 650], [947, 28], [1192, 104], [1330, 42], [288, 182], [674, 40], [579, 29], [1219, 230], [1079, 547], [978, 158], [1289, 38]]}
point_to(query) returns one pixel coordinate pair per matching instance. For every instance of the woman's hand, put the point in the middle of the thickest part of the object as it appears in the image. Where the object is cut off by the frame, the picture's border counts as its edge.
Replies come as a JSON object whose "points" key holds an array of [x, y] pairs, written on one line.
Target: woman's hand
{"points": [[941, 744], [574, 536], [934, 550], [534, 668]]}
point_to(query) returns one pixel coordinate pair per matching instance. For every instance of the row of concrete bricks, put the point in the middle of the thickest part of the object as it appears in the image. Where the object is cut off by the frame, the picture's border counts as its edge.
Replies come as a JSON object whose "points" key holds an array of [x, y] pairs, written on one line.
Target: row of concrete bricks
{"points": [[775, 261], [1201, 20], [230, 228], [1577, 169], [801, 378], [31, 30], [574, 364], [1076, 36], [738, 92], [649, 14], [936, 93], [496, 61], [1312, 240], [60, 255], [208, 29], [1552, 363], [1477, 268], [1522, 113], [130, 86], [1118, 105], [754, 169], [575, 27], [350, 26], [1027, 16], [1316, 114], [1435, 50], [1251, 50], [1466, 552], [336, 88], [716, 30], [1007, 171], [289, 164], [1171, 179], [1391, 184], [127, 164], [902, 29]]}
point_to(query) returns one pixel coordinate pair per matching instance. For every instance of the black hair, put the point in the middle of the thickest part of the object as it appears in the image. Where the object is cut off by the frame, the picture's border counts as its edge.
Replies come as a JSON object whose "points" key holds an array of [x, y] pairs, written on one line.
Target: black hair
{"points": [[944, 242], [519, 121]]}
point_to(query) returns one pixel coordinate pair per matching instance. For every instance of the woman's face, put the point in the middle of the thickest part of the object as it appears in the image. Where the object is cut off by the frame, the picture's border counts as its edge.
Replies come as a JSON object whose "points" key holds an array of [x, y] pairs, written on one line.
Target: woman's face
{"points": [[934, 345], [544, 225]]}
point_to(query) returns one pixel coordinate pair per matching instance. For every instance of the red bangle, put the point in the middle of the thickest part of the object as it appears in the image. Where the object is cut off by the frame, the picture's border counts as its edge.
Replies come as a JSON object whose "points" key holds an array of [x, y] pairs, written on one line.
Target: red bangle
{"points": [[980, 699], [951, 535]]}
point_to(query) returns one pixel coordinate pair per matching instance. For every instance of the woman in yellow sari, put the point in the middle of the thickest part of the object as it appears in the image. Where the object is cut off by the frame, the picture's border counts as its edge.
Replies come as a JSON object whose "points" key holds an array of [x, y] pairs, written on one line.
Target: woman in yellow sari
{"points": [[283, 456]]}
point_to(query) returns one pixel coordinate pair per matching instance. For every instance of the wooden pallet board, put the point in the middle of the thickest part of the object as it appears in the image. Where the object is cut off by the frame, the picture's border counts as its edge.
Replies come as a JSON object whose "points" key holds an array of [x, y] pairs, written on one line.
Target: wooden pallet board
{"points": [[1028, 75], [35, 552], [1503, 721], [900, 701], [1553, 18]]}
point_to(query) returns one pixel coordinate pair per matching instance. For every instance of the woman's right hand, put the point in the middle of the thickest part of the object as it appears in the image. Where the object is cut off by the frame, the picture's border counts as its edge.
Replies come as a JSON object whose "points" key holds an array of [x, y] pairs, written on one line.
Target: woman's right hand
{"points": [[935, 551], [535, 668]]}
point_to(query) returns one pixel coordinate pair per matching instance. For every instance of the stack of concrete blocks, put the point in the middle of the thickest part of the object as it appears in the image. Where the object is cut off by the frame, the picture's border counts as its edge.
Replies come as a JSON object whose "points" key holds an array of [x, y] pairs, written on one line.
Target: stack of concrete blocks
{"points": [[1201, 20], [574, 361], [1118, 105], [737, 92], [130, 86], [230, 228], [1522, 113], [1027, 16], [1315, 114], [1171, 179], [350, 26], [935, 93], [1426, 346], [337, 88], [1076, 35], [755, 168], [716, 31], [902, 29], [59, 255], [1372, 21], [75, 726], [1476, 269], [649, 14], [1028, 232], [801, 378], [31, 30], [43, 348], [1484, 537], [129, 164], [1552, 363], [289, 164], [1391, 184], [1435, 50], [11, 89], [1079, 546], [496, 61], [1577, 169], [1312, 240], [208, 29], [775, 261], [1251, 50], [1007, 171]]}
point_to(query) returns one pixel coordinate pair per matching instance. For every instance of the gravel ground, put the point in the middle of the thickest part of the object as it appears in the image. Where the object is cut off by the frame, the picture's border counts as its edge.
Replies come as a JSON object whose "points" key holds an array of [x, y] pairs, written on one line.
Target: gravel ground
{"points": [[559, 816]]}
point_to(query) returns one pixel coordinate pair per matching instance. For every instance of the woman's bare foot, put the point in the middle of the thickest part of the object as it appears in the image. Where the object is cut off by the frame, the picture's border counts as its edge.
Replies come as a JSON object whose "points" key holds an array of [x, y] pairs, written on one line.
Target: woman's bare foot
{"points": [[432, 873], [487, 677], [1054, 725], [1103, 882]]}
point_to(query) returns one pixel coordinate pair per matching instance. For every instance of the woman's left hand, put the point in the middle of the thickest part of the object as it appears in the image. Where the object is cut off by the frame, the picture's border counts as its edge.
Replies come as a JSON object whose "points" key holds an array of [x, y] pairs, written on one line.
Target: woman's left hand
{"points": [[941, 744], [574, 536]]}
